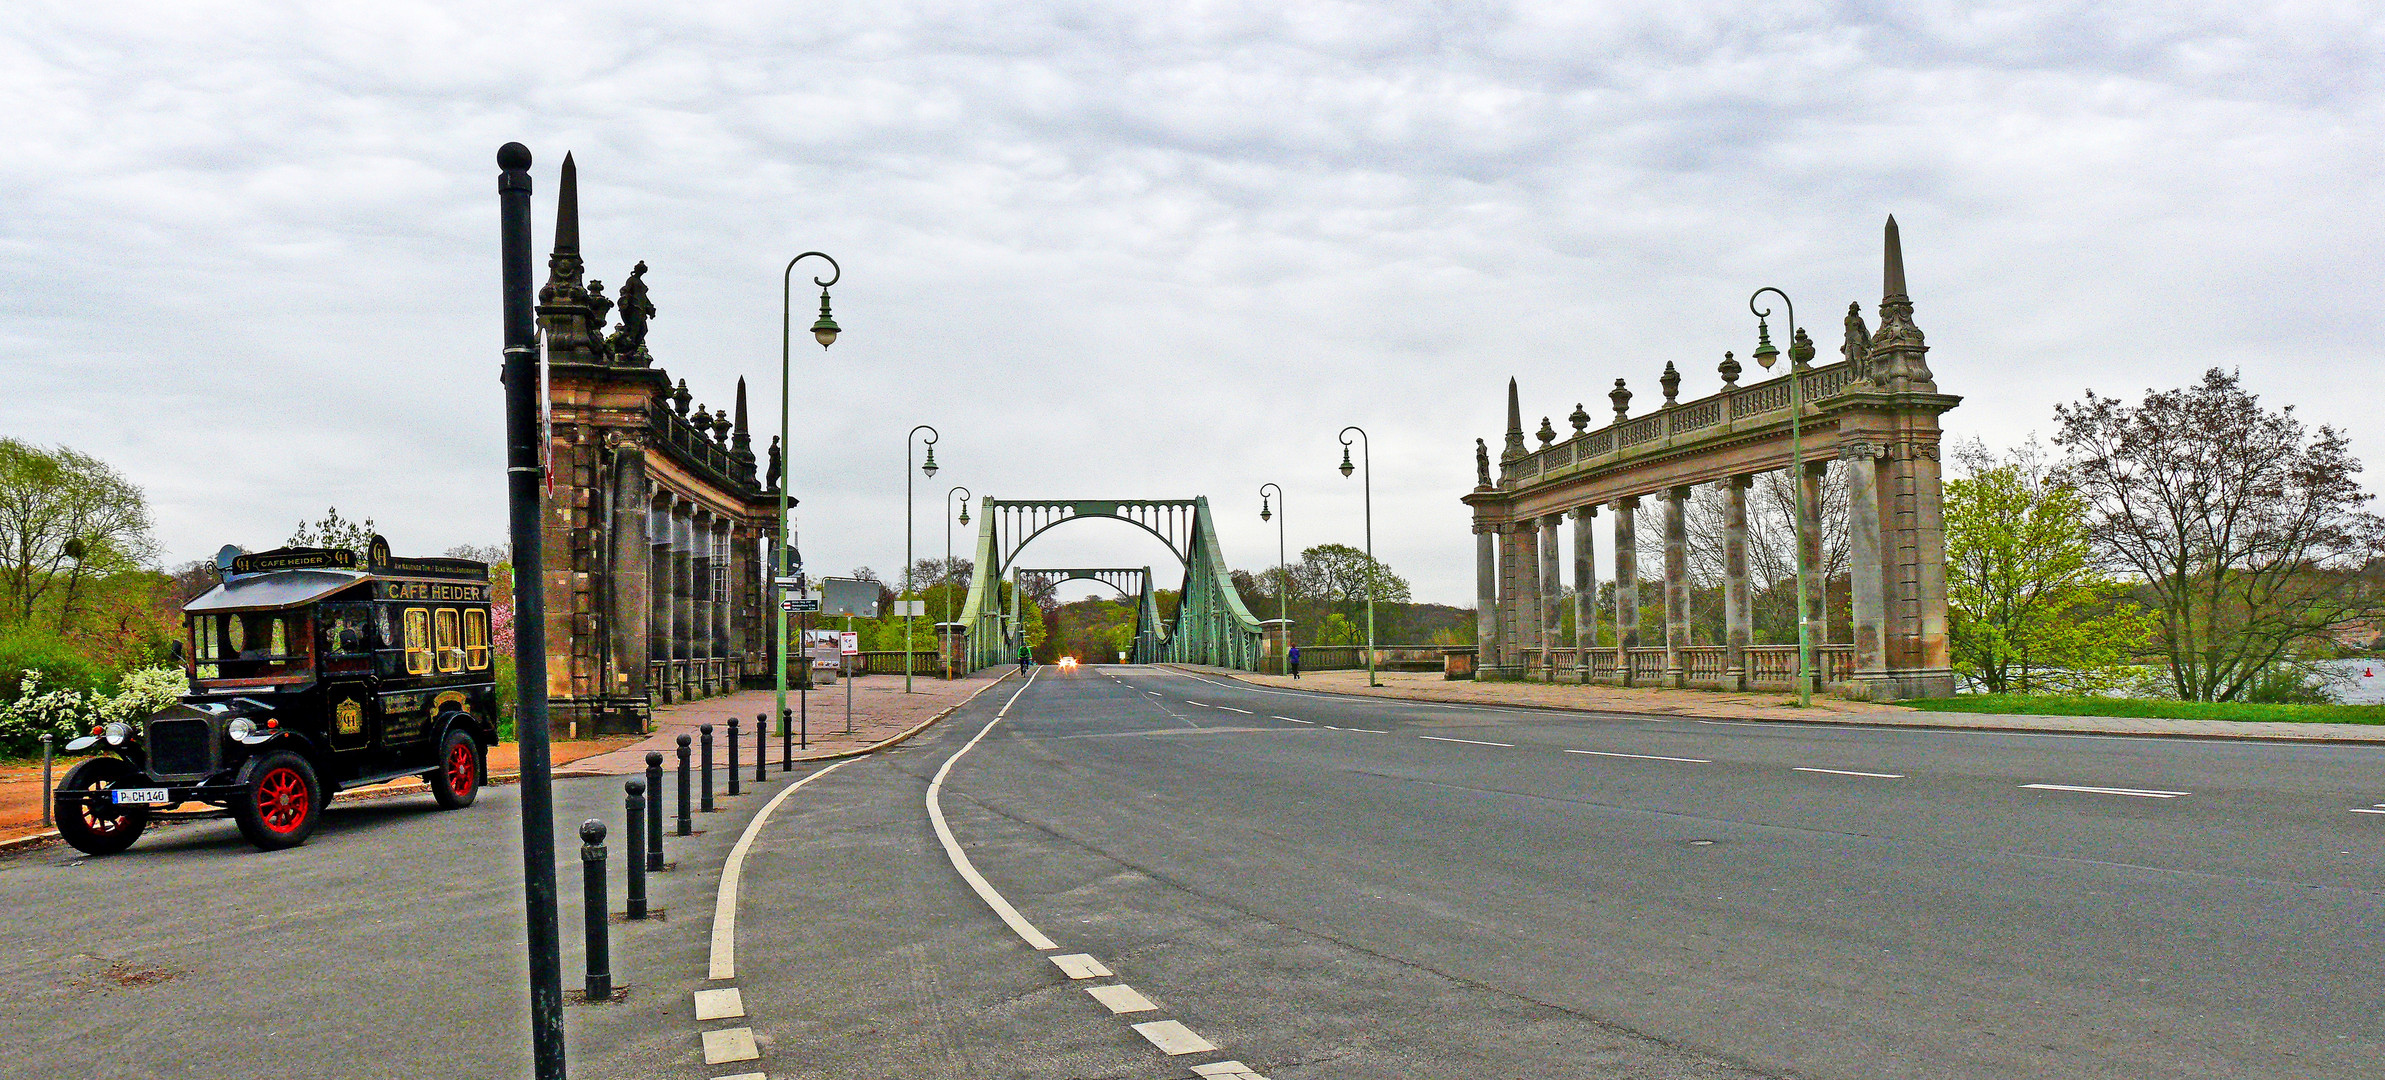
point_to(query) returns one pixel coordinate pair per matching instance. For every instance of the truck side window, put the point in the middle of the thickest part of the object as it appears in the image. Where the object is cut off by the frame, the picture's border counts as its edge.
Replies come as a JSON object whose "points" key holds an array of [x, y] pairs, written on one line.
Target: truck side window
{"points": [[205, 641], [476, 639], [418, 641], [451, 653]]}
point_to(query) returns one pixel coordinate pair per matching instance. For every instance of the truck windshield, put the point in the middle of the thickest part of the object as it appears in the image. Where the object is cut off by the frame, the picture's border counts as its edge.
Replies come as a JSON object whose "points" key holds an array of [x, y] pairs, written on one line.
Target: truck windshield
{"points": [[251, 644]]}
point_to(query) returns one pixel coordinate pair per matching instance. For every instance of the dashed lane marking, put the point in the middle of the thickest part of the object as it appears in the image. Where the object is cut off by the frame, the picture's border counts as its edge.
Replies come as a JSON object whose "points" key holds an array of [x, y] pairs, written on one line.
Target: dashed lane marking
{"points": [[952, 847], [1202, 704], [723, 1004], [1292, 719], [1851, 772], [2379, 810], [1472, 742], [1081, 966], [1226, 1070], [759, 1076], [1121, 998], [2138, 792], [1173, 1038], [1229, 708], [1643, 757], [730, 1044]]}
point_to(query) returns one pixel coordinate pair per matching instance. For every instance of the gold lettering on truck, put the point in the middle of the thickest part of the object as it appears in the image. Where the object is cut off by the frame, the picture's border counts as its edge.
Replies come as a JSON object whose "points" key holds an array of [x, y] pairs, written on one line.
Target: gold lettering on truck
{"points": [[350, 715]]}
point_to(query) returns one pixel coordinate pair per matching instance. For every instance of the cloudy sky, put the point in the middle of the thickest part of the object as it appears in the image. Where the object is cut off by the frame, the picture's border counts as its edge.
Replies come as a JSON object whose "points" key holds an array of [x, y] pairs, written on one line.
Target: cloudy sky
{"points": [[1148, 250]]}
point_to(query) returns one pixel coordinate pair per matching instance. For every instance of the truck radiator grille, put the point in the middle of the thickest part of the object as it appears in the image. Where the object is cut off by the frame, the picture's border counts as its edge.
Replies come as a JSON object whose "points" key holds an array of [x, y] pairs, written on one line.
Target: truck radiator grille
{"points": [[181, 747]]}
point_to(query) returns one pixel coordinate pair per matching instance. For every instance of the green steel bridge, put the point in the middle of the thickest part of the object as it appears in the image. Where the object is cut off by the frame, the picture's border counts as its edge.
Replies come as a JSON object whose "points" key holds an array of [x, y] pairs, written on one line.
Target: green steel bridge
{"points": [[1211, 625]]}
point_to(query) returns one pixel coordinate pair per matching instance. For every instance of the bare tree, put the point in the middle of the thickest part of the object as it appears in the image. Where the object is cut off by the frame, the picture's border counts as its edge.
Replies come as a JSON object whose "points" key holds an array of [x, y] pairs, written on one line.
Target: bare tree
{"points": [[65, 518], [1771, 549], [2246, 526]]}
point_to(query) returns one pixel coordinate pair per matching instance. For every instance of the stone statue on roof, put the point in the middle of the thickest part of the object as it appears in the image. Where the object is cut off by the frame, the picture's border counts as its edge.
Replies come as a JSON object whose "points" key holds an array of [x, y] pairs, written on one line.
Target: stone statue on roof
{"points": [[636, 309]]}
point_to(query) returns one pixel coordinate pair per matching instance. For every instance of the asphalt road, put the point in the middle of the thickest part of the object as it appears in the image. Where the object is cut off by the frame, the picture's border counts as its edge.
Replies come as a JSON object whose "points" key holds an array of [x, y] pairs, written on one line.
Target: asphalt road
{"points": [[1318, 886]]}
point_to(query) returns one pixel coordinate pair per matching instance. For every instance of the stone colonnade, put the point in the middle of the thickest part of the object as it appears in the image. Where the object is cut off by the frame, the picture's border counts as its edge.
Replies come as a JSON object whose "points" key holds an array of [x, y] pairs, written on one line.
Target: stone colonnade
{"points": [[1875, 410]]}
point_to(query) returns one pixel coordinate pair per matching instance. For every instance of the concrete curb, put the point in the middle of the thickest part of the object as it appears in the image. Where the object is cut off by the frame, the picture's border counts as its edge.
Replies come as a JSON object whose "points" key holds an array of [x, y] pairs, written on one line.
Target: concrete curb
{"points": [[870, 749], [2360, 738]]}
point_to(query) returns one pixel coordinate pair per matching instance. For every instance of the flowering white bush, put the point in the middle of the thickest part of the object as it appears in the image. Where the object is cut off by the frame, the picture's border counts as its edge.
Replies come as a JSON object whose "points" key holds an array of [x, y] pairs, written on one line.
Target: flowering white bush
{"points": [[64, 714]]}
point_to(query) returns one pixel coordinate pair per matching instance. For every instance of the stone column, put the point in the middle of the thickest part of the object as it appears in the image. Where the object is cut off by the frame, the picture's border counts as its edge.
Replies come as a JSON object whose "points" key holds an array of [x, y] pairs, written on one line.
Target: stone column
{"points": [[1585, 589], [699, 550], [1552, 591], [1676, 584], [1531, 626], [1934, 674], [1627, 586], [1738, 610], [1817, 612], [625, 570], [1867, 583], [683, 582], [1486, 597]]}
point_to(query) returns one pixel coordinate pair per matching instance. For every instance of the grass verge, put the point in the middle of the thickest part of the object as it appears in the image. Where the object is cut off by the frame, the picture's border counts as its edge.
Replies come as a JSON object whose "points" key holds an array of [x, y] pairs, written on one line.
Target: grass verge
{"points": [[2035, 705]]}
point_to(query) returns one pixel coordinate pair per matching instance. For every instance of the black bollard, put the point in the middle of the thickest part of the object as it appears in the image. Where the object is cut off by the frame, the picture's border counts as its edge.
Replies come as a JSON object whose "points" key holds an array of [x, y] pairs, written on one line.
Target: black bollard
{"points": [[761, 747], [687, 818], [732, 755], [592, 870], [786, 740], [707, 730], [654, 801], [634, 891]]}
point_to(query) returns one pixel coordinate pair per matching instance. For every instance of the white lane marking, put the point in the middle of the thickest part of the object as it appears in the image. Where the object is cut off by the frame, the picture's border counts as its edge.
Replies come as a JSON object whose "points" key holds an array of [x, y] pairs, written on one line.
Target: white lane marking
{"points": [[743, 1076], [1851, 772], [952, 847], [1475, 742], [1229, 708], [1081, 966], [1202, 704], [723, 1004], [724, 906], [1643, 757], [2141, 793], [1226, 1070], [1173, 1038], [730, 1044], [1121, 998], [1294, 720], [1378, 731], [2358, 810], [1152, 693]]}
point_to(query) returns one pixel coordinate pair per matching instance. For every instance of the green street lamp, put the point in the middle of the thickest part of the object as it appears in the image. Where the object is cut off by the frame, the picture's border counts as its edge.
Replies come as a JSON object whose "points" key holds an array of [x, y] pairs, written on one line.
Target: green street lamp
{"points": [[1283, 581], [942, 645], [824, 331], [1799, 353], [1366, 456], [928, 467]]}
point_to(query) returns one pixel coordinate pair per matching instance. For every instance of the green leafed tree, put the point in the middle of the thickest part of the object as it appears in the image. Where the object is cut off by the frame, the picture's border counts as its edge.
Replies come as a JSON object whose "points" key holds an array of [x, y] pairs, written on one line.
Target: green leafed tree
{"points": [[2032, 611], [334, 531], [67, 520]]}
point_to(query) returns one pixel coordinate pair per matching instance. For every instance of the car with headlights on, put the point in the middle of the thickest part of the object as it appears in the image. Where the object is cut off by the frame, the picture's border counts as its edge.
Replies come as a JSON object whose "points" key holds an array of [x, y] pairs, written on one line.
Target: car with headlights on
{"points": [[313, 671]]}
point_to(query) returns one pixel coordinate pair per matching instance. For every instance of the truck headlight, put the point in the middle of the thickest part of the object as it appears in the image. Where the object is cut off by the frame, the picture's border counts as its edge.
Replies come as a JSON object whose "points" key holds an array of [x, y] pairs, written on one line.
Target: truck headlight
{"points": [[241, 728], [116, 732]]}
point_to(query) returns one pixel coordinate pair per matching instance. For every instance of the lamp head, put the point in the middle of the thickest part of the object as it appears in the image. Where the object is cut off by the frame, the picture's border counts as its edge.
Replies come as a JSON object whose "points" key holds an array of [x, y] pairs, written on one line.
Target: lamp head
{"points": [[824, 331], [1765, 354], [1347, 468], [964, 515], [929, 467], [1265, 514]]}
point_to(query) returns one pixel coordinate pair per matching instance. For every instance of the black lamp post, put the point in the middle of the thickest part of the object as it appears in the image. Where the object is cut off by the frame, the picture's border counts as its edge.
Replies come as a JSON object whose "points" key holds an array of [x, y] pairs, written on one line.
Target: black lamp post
{"points": [[524, 476], [1765, 355], [943, 645], [1366, 457], [824, 331], [1283, 573], [929, 467]]}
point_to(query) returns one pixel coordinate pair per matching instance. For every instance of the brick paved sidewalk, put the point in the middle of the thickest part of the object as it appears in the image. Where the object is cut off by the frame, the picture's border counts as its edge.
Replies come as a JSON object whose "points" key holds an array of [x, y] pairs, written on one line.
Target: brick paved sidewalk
{"points": [[880, 711], [1718, 705]]}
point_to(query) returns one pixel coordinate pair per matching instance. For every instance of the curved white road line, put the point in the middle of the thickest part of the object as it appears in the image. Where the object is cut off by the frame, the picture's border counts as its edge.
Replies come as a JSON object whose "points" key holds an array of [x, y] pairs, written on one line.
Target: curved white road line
{"points": [[724, 906], [952, 848]]}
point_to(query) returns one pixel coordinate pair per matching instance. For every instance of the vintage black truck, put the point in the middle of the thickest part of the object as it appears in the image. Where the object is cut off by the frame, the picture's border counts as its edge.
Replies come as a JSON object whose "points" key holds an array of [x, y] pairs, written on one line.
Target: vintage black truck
{"points": [[312, 671]]}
